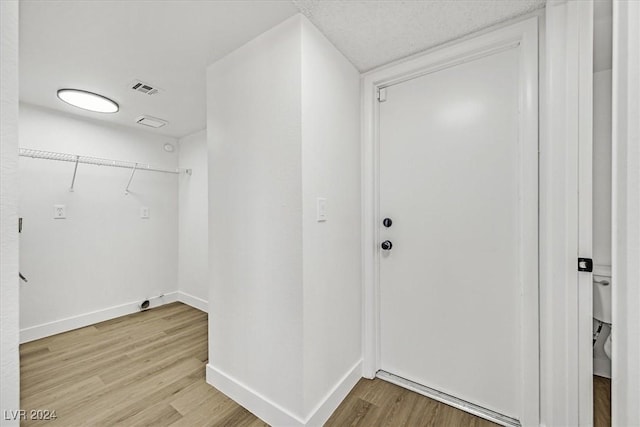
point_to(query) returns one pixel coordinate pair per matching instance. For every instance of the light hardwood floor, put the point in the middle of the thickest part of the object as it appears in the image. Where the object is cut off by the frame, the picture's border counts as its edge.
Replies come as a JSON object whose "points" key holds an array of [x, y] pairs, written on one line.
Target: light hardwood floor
{"points": [[143, 369], [601, 401], [149, 369]]}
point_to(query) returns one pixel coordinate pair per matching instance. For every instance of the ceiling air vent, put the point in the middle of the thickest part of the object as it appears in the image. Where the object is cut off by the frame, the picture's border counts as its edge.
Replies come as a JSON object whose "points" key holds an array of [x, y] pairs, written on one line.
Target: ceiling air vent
{"points": [[152, 122], [142, 87]]}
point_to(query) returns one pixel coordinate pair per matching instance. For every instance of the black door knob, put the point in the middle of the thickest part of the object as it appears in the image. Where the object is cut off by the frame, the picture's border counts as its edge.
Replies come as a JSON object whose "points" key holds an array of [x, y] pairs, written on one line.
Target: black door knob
{"points": [[386, 245], [387, 222]]}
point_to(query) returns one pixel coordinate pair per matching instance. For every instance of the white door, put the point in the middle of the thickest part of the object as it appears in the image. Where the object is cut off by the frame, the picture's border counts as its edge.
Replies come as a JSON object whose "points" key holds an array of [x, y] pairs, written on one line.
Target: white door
{"points": [[456, 184]]}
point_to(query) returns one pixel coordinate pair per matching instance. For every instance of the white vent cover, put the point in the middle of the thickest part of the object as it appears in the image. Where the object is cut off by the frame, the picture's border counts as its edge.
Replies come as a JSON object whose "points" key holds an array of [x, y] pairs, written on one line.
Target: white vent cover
{"points": [[152, 122], [142, 87]]}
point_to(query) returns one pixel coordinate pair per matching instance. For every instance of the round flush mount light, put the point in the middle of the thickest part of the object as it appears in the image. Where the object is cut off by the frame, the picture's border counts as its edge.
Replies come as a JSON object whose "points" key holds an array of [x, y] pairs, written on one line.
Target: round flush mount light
{"points": [[88, 100], [169, 148]]}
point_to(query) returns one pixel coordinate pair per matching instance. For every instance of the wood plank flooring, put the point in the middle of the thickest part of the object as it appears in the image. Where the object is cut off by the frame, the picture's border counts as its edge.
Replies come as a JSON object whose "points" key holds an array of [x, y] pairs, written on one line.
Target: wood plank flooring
{"points": [[149, 369], [601, 401], [379, 403], [143, 369]]}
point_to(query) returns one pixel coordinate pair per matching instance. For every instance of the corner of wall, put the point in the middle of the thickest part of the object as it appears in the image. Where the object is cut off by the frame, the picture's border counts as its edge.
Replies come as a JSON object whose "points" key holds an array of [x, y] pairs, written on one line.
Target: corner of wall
{"points": [[321, 413], [260, 405], [285, 153], [255, 267], [193, 216], [274, 414], [330, 97]]}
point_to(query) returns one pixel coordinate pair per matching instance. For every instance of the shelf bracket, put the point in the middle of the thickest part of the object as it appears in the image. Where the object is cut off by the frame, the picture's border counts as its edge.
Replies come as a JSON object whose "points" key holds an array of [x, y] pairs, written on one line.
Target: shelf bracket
{"points": [[133, 171], [75, 170]]}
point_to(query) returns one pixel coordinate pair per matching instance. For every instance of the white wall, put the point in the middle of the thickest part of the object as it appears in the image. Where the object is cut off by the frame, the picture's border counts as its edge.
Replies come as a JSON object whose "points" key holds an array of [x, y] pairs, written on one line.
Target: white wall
{"points": [[103, 259], [602, 147], [255, 216], [193, 222], [9, 357], [602, 136], [602, 168], [331, 249], [283, 130]]}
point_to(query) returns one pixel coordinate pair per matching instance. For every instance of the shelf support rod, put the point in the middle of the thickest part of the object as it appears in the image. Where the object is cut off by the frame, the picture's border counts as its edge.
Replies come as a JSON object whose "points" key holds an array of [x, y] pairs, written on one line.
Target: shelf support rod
{"points": [[75, 170], [133, 171]]}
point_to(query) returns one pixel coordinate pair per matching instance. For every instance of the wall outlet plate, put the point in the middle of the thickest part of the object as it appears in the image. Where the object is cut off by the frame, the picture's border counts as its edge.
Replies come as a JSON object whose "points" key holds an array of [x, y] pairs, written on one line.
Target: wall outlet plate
{"points": [[59, 211], [144, 212]]}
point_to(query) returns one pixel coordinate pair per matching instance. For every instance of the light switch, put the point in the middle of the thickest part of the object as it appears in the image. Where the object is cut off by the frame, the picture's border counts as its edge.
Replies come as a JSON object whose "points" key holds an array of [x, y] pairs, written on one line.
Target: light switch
{"points": [[144, 212], [59, 211], [322, 209]]}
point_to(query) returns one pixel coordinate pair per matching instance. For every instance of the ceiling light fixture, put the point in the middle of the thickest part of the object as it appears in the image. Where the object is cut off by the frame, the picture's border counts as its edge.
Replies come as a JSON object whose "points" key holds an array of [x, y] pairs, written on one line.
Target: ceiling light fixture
{"points": [[88, 100]]}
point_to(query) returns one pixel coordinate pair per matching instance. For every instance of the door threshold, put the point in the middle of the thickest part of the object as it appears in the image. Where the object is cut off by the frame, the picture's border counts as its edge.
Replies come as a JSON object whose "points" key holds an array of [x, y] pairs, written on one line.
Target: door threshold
{"points": [[447, 399]]}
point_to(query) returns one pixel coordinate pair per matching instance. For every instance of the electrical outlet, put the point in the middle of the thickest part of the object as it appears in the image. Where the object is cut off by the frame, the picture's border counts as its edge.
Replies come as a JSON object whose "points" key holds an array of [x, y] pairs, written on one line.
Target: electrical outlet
{"points": [[59, 211], [144, 212]]}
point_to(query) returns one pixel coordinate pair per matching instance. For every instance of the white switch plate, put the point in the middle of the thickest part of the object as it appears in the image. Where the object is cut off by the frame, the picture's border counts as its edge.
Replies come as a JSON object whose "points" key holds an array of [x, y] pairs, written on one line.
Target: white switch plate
{"points": [[144, 212], [59, 211], [322, 209]]}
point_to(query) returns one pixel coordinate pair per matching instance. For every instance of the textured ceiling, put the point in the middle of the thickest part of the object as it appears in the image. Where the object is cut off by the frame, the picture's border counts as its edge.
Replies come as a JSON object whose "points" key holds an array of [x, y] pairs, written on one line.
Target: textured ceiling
{"points": [[102, 45], [372, 33]]}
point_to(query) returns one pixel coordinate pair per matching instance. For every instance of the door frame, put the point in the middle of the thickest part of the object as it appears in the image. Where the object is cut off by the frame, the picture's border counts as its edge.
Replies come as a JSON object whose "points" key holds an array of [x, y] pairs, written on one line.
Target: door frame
{"points": [[584, 19], [525, 35], [625, 352], [566, 223]]}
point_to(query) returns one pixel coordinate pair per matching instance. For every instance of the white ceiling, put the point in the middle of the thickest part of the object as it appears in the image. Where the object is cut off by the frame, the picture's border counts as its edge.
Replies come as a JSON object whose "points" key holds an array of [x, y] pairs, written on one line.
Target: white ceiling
{"points": [[101, 46]]}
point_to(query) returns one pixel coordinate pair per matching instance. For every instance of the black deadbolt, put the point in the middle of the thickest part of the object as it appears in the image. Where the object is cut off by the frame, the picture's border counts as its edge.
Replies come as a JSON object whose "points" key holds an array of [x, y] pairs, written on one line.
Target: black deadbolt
{"points": [[386, 245], [387, 222]]}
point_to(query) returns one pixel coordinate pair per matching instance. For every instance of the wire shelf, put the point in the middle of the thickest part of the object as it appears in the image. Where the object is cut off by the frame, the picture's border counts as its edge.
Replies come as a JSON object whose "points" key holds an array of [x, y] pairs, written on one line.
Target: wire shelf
{"points": [[97, 161]]}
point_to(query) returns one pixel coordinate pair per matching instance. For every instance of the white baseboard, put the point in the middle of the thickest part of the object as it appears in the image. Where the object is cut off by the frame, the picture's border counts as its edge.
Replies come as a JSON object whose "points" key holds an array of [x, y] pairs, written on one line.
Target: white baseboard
{"points": [[263, 408], [334, 398], [272, 413], [63, 325], [80, 321], [193, 301]]}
